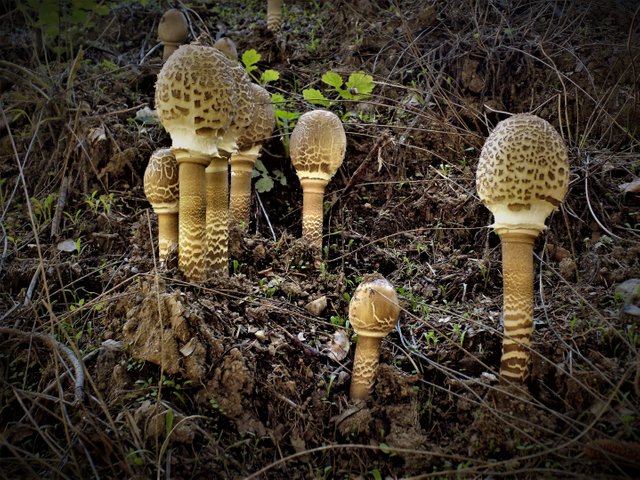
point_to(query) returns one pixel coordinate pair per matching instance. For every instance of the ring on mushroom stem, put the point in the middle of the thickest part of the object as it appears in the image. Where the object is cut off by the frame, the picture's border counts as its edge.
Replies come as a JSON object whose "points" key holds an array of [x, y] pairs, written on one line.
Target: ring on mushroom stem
{"points": [[161, 188], [172, 31], [522, 176], [373, 312], [317, 147], [194, 99]]}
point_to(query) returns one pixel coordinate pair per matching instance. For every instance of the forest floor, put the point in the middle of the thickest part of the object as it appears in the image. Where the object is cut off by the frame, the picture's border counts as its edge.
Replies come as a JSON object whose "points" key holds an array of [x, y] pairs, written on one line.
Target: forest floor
{"points": [[248, 376]]}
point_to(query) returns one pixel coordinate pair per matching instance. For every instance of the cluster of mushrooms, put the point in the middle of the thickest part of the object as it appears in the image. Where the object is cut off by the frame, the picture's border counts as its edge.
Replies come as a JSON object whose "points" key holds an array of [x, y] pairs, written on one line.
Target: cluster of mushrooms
{"points": [[217, 118]]}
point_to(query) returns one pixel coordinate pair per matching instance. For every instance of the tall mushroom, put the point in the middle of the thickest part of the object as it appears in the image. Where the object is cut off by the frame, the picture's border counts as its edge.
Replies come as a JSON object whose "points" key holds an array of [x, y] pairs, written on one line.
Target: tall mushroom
{"points": [[523, 175], [161, 188], [317, 147], [217, 174], [242, 162], [373, 312], [194, 100], [274, 14], [172, 31]]}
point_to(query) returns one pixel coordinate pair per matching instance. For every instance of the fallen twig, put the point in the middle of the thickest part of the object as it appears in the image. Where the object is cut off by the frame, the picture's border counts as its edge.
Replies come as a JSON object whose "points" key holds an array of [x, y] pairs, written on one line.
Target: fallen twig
{"points": [[54, 344]]}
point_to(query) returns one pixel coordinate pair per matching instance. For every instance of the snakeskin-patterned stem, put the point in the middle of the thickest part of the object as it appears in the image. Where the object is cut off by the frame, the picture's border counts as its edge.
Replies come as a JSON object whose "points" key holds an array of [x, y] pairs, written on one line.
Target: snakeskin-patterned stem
{"points": [[217, 217], [365, 364], [313, 211], [517, 268], [240, 199], [191, 220], [167, 233], [274, 15]]}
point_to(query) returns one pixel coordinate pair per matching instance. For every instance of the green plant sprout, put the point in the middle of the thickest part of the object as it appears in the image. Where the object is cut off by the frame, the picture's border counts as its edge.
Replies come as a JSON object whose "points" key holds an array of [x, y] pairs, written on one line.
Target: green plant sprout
{"points": [[266, 180], [359, 86], [250, 58]]}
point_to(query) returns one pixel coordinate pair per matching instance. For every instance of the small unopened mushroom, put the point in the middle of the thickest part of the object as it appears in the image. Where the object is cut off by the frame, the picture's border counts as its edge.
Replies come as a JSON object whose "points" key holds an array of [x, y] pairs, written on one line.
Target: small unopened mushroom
{"points": [[274, 15], [243, 161], [217, 174], [373, 312], [317, 147], [161, 188], [228, 47], [523, 175], [172, 31], [194, 99]]}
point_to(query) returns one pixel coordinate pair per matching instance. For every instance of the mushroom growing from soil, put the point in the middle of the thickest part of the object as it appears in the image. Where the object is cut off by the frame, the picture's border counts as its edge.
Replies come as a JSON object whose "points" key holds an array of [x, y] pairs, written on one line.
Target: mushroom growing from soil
{"points": [[317, 146], [161, 189], [172, 31], [373, 312], [523, 175], [242, 162], [274, 14], [194, 100], [228, 47], [217, 173]]}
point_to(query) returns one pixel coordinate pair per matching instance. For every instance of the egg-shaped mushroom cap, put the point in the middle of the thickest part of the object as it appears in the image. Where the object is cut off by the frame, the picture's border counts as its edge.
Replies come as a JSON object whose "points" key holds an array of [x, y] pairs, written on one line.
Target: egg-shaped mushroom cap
{"points": [[374, 308], [317, 145], [244, 105], [263, 122], [161, 181], [195, 99], [523, 173], [228, 47], [173, 27]]}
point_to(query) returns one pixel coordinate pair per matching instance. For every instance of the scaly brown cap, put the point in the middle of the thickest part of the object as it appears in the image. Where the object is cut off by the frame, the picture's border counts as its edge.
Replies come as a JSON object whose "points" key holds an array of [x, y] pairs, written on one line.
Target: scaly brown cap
{"points": [[263, 120], [374, 308], [523, 173], [195, 99], [161, 181], [317, 145]]}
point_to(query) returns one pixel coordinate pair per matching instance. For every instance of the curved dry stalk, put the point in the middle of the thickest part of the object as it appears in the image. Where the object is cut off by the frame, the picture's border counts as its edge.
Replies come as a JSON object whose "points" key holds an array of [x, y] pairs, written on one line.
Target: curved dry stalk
{"points": [[61, 348]]}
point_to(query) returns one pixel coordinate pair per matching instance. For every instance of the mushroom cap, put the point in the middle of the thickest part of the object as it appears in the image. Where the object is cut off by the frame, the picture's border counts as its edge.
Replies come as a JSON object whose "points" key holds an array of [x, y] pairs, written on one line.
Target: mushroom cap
{"points": [[228, 47], [161, 181], [523, 173], [374, 308], [244, 105], [317, 145], [263, 120], [173, 27], [194, 99]]}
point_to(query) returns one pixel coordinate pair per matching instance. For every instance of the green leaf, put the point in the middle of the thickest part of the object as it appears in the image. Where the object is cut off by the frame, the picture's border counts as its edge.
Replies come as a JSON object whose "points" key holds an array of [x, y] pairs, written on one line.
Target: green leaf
{"points": [[360, 85], [285, 115], [249, 59], [168, 421], [316, 97], [264, 184], [332, 79], [269, 76], [277, 99]]}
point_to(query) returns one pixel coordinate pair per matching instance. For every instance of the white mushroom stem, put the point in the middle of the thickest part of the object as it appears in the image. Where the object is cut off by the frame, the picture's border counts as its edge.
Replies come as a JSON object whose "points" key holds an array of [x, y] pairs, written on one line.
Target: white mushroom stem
{"points": [[191, 218], [242, 164], [313, 210], [365, 365], [217, 216], [517, 267]]}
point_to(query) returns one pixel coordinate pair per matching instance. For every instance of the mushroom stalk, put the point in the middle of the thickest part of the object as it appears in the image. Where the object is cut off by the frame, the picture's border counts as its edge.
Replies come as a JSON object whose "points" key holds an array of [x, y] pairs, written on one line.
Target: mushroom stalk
{"points": [[313, 211], [217, 216], [240, 199], [517, 264], [167, 233], [274, 14], [365, 365], [191, 216]]}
